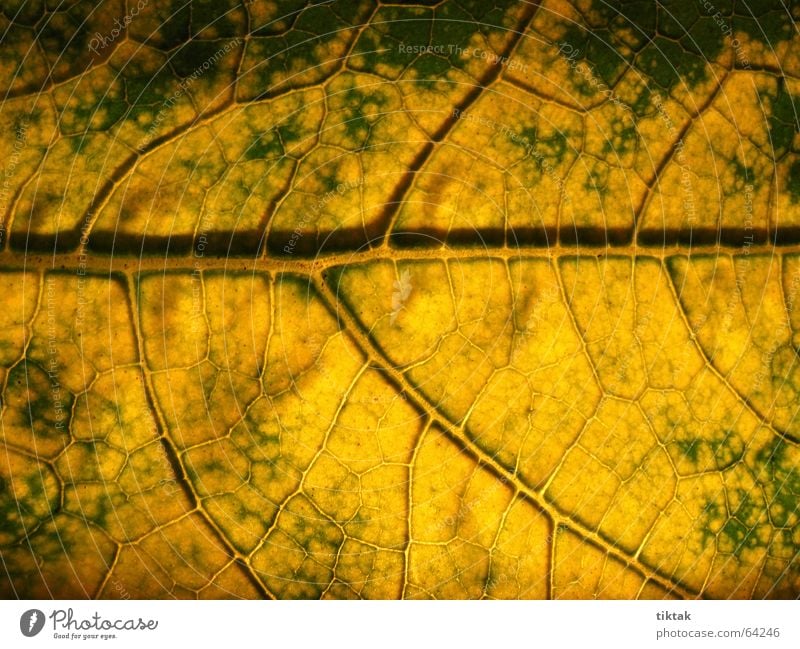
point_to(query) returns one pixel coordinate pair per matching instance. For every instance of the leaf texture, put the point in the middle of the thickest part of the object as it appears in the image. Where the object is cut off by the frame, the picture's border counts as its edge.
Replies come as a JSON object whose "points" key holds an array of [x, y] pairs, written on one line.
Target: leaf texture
{"points": [[377, 300]]}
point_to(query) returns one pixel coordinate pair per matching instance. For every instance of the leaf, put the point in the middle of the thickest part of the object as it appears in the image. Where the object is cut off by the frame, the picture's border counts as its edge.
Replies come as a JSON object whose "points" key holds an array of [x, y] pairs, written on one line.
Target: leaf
{"points": [[451, 300]]}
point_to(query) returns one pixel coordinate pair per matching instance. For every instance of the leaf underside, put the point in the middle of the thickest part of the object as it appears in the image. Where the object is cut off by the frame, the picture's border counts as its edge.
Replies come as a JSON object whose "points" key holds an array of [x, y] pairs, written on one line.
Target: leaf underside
{"points": [[371, 300]]}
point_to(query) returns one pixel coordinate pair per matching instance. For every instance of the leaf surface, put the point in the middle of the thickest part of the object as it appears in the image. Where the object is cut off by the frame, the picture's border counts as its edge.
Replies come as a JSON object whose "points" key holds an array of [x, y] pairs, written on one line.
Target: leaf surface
{"points": [[369, 300]]}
